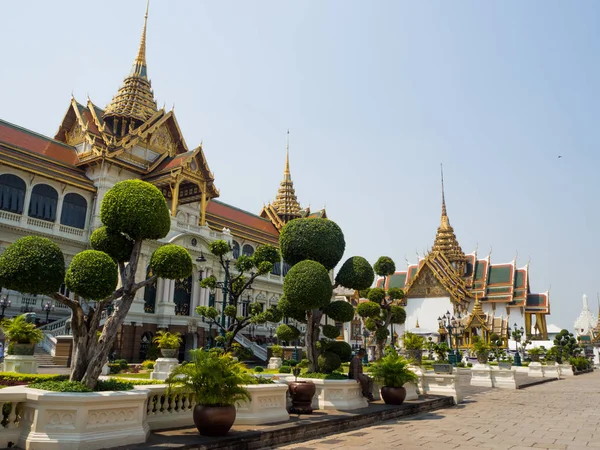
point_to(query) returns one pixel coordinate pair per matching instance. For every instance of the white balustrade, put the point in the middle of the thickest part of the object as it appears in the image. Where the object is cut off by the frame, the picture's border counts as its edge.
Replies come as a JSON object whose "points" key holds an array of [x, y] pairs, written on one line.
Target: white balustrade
{"points": [[10, 217], [259, 352]]}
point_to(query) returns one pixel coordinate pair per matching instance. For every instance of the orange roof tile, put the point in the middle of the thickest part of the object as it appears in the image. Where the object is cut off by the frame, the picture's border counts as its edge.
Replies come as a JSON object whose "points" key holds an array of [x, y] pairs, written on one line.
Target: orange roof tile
{"points": [[234, 214]]}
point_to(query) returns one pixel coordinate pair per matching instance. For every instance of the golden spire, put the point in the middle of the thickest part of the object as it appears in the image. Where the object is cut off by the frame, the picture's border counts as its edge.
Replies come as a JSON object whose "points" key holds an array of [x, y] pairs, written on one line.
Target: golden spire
{"points": [[477, 308], [135, 99], [445, 239], [417, 326], [286, 204]]}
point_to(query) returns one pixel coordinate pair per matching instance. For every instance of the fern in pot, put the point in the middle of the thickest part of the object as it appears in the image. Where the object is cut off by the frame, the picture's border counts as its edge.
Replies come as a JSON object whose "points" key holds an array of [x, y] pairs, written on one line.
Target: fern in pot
{"points": [[21, 334], [392, 373], [168, 343], [217, 382]]}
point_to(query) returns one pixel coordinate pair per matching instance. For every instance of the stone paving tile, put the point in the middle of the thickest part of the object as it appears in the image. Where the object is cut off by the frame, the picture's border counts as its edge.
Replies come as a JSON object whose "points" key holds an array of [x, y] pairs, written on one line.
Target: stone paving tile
{"points": [[560, 415]]}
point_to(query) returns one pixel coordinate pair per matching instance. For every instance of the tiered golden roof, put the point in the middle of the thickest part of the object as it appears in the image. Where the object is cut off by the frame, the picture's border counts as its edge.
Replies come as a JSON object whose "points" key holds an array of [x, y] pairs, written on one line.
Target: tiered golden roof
{"points": [[445, 239], [135, 99], [286, 203]]}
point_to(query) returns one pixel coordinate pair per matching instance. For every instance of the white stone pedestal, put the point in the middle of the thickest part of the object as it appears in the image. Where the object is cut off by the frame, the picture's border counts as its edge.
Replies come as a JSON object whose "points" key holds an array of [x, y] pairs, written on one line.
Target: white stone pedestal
{"points": [[504, 378], [105, 369], [441, 384], [274, 363], [481, 375], [536, 370], [20, 363], [411, 391], [337, 394], [163, 368], [566, 370], [418, 371], [551, 371]]}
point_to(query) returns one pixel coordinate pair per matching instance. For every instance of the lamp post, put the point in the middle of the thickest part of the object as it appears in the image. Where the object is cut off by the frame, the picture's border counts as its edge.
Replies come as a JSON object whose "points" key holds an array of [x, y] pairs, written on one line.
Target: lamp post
{"points": [[454, 328], [365, 334], [517, 335], [47, 308], [4, 303]]}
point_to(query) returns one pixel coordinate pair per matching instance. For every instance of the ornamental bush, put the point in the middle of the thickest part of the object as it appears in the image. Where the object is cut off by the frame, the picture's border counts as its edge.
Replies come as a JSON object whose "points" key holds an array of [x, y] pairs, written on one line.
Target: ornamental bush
{"points": [[342, 349], [331, 331], [381, 334], [92, 275], [384, 266], [340, 311], [376, 295], [307, 285], [287, 333], [398, 314], [328, 362], [317, 239], [172, 262], [136, 208], [32, 264], [266, 253], [355, 273], [368, 309], [292, 311], [116, 245]]}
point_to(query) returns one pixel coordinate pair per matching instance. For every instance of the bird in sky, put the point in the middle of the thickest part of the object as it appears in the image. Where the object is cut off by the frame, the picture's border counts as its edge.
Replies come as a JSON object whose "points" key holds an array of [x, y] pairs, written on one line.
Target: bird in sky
{"points": [[559, 156]]}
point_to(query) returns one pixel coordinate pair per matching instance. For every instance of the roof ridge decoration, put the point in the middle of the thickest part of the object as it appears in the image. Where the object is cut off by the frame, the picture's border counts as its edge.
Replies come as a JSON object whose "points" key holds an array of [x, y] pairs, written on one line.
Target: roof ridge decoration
{"points": [[286, 203], [445, 239], [135, 98]]}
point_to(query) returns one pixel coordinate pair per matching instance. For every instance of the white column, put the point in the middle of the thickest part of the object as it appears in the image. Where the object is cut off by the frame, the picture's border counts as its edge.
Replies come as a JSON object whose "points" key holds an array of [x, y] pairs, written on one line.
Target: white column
{"points": [[59, 207], [27, 201], [195, 301]]}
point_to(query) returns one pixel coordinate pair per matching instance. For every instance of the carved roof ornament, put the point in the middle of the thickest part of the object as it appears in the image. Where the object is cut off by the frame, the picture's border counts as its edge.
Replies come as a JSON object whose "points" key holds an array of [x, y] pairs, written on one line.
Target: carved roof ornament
{"points": [[286, 203], [445, 239], [135, 98]]}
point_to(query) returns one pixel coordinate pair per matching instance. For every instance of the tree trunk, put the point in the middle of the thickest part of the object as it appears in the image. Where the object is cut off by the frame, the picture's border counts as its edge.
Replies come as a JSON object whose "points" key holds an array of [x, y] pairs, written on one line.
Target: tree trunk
{"points": [[312, 337], [379, 346]]}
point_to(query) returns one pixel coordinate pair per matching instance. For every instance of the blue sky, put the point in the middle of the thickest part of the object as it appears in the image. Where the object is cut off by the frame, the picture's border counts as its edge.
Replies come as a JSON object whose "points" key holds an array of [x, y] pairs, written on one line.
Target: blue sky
{"points": [[376, 95]]}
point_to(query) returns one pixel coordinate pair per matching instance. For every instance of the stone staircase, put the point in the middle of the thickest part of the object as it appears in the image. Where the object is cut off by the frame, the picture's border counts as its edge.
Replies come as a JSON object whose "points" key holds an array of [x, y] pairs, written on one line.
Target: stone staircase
{"points": [[44, 359]]}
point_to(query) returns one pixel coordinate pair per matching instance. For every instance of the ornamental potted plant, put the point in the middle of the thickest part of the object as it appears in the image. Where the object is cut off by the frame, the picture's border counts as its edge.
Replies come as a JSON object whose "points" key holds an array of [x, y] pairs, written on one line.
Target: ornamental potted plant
{"points": [[168, 343], [217, 381], [392, 373], [21, 334], [442, 365], [535, 354], [482, 350], [413, 344]]}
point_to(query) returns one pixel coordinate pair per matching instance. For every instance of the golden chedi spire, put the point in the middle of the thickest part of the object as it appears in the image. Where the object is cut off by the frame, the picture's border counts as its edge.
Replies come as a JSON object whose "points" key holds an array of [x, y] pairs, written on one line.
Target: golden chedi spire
{"points": [[286, 204], [135, 98], [445, 239]]}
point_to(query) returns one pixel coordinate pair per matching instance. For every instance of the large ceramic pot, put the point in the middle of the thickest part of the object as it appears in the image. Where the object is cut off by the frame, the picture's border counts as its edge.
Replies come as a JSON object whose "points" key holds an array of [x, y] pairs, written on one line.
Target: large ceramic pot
{"points": [[302, 393], [482, 358], [214, 420], [169, 352], [393, 395], [21, 349]]}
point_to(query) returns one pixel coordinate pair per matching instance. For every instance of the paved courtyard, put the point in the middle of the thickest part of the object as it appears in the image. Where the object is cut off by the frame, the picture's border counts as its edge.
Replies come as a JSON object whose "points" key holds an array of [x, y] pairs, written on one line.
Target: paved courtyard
{"points": [[563, 414]]}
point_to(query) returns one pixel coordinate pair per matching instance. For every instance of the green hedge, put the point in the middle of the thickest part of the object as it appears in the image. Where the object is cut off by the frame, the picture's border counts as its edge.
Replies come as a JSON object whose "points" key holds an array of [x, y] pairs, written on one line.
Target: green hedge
{"points": [[15, 379], [77, 386], [325, 376]]}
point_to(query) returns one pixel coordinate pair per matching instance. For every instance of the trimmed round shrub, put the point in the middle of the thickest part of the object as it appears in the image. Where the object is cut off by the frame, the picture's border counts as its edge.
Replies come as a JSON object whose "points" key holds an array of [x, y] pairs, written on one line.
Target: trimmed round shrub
{"points": [[291, 311], [370, 324], [382, 333], [342, 349], [355, 273], [384, 266], [285, 369], [259, 369], [331, 331], [219, 247], [287, 333], [368, 309], [92, 275], [307, 285], [376, 295], [172, 262], [340, 311], [266, 253], [116, 245], [395, 293], [33, 265], [136, 208], [398, 314], [317, 239], [328, 362]]}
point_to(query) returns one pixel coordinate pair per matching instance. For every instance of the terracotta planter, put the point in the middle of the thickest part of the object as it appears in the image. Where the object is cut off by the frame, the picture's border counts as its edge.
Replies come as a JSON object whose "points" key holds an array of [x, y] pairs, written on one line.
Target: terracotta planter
{"points": [[302, 393], [214, 421], [169, 352], [21, 349], [393, 395]]}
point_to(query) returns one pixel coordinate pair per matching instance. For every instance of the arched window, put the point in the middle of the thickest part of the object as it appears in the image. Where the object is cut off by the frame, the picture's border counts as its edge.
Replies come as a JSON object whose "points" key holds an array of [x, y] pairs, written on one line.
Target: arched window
{"points": [[43, 202], [276, 268], [247, 250], [235, 250], [286, 268], [73, 211], [145, 344], [182, 296], [149, 294], [12, 193]]}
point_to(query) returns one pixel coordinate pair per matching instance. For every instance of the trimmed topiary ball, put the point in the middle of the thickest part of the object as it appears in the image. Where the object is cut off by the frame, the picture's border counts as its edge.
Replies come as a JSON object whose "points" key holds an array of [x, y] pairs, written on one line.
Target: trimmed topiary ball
{"points": [[355, 273], [32, 265], [116, 245], [287, 333], [384, 266], [330, 331], [92, 275], [137, 209], [307, 285], [266, 253], [340, 311], [328, 362], [342, 349], [368, 309], [382, 334], [376, 295], [320, 240], [289, 310], [172, 262], [398, 314]]}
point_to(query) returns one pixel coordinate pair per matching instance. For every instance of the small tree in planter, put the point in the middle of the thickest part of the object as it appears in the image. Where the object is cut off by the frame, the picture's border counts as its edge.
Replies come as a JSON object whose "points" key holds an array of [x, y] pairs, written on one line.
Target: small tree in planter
{"points": [[314, 247], [132, 212], [413, 344], [535, 354], [21, 334], [496, 346], [441, 350], [481, 349], [168, 343], [247, 269], [566, 346]]}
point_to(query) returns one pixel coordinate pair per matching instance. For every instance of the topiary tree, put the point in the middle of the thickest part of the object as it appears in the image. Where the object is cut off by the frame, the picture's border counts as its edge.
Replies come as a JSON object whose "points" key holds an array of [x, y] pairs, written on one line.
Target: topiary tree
{"points": [[381, 310], [248, 268], [314, 247], [566, 346], [132, 211]]}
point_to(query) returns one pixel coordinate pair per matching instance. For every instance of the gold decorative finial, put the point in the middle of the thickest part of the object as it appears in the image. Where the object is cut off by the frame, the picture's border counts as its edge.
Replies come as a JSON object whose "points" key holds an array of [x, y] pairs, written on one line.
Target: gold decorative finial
{"points": [[417, 325], [141, 56], [444, 214], [286, 203], [287, 154], [477, 308]]}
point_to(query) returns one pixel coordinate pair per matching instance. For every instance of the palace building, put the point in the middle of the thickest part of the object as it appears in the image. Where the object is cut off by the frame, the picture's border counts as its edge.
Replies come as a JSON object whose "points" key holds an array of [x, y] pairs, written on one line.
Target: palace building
{"points": [[485, 298], [54, 187]]}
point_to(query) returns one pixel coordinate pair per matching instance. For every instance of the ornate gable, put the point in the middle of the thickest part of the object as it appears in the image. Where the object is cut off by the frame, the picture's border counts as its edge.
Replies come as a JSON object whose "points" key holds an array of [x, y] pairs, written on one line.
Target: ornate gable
{"points": [[426, 284]]}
